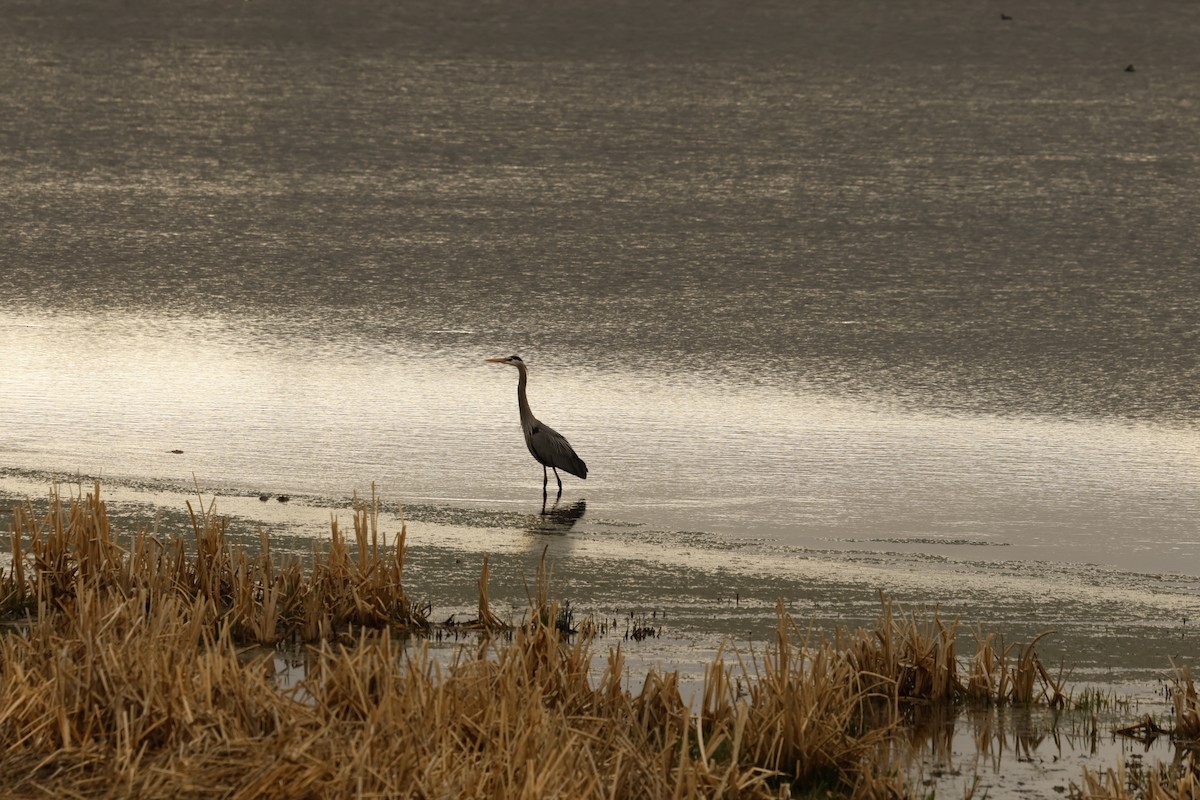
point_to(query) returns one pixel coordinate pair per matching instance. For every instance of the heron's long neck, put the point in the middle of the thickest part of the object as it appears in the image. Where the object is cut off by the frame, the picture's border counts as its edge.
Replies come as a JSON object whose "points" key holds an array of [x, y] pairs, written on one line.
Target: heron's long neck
{"points": [[522, 398]]}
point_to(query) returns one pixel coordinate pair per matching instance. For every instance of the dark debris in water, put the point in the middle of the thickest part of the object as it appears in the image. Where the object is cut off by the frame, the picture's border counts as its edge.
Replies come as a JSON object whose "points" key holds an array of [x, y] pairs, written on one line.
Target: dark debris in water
{"points": [[922, 540], [638, 629], [1145, 731]]}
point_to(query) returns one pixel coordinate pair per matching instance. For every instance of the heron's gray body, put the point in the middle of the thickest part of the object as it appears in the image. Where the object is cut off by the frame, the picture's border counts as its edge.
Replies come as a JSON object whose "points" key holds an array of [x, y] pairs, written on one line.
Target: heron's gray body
{"points": [[545, 444], [549, 447]]}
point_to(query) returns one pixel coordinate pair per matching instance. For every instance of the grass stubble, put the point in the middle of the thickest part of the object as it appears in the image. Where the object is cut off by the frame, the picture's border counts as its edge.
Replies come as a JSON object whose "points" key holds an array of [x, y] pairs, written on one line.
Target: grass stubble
{"points": [[131, 676], [1178, 779]]}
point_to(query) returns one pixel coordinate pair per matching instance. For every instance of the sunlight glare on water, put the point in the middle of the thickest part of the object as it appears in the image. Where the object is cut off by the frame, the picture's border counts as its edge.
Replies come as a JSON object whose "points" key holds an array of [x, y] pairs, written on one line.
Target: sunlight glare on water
{"points": [[323, 414]]}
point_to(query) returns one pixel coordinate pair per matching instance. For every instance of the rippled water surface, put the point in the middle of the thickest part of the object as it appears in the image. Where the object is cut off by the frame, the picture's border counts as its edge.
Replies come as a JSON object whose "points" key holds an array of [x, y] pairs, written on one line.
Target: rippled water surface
{"points": [[832, 298]]}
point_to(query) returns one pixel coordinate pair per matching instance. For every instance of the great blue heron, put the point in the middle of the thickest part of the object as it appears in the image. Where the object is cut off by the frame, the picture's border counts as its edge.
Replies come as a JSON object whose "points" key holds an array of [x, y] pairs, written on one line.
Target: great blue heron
{"points": [[546, 445]]}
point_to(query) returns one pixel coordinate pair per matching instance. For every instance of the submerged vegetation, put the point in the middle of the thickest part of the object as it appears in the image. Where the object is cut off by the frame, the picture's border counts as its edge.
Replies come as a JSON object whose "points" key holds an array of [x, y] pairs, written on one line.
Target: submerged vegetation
{"points": [[129, 673]]}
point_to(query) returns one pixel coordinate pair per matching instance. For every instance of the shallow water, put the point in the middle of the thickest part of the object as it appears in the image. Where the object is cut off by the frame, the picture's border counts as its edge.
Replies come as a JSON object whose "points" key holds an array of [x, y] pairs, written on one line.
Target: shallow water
{"points": [[832, 298]]}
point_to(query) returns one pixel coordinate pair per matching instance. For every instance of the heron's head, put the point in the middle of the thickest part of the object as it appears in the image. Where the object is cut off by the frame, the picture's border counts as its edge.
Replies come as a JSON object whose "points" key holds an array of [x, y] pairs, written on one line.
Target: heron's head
{"points": [[512, 361]]}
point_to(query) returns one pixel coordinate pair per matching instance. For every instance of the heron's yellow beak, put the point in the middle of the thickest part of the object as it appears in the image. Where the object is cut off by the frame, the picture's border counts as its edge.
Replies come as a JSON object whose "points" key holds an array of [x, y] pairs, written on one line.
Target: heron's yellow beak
{"points": [[497, 360]]}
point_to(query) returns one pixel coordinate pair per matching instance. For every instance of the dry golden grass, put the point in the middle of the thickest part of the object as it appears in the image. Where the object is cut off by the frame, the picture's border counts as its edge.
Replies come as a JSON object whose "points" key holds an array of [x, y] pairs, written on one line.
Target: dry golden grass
{"points": [[128, 681], [918, 660], [74, 550], [1186, 702], [153, 704], [1179, 780]]}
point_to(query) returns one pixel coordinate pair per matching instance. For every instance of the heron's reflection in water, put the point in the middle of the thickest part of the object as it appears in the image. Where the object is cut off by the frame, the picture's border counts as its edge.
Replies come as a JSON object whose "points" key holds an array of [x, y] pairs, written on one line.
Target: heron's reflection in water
{"points": [[558, 520]]}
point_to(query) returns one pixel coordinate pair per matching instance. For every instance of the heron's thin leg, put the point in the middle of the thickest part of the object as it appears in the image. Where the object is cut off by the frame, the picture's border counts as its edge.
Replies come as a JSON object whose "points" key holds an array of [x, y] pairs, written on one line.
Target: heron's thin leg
{"points": [[545, 480], [559, 482]]}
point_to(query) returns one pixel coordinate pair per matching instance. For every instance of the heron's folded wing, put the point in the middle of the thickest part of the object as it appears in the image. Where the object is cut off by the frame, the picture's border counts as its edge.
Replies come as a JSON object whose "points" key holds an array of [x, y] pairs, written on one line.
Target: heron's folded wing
{"points": [[552, 449]]}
